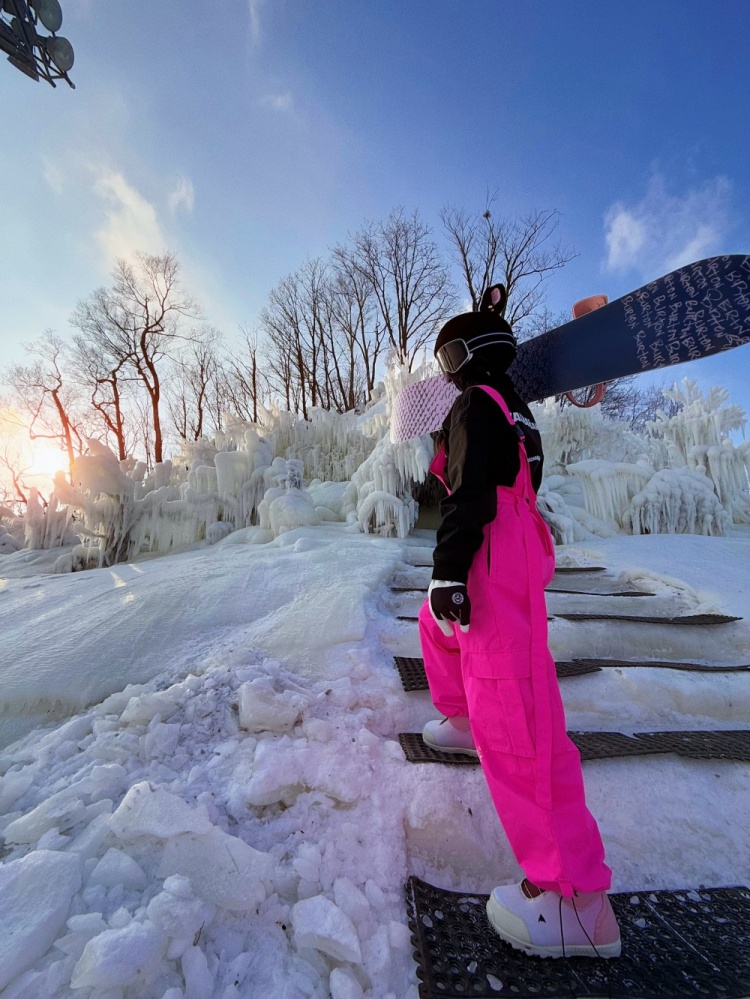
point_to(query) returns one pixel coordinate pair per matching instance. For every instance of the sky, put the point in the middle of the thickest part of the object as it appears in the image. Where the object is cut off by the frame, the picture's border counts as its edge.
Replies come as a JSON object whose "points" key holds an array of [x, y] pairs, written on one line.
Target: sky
{"points": [[248, 135]]}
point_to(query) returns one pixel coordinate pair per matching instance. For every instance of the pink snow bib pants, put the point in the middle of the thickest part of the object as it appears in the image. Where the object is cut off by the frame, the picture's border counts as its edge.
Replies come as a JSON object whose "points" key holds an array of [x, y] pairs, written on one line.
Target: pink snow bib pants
{"points": [[500, 675]]}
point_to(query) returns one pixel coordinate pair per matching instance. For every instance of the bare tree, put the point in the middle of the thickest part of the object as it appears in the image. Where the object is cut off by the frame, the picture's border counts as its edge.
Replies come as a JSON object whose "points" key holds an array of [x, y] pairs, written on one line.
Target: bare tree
{"points": [[44, 391], [354, 313], [243, 383], [13, 460], [519, 252], [138, 322], [628, 400], [411, 284], [292, 322], [108, 384], [193, 384]]}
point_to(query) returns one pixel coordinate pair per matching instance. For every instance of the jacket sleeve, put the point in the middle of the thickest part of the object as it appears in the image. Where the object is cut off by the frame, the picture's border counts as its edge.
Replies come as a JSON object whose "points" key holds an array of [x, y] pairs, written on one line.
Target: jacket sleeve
{"points": [[473, 499]]}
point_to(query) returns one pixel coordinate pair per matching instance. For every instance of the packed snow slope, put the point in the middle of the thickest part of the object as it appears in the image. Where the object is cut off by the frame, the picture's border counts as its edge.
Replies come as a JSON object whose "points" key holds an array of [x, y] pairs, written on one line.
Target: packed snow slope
{"points": [[226, 812], [70, 640]]}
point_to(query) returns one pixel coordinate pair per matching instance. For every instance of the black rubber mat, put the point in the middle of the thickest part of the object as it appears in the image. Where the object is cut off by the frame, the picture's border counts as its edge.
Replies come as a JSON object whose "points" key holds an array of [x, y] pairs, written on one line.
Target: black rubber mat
{"points": [[582, 568], [646, 619], [627, 663], [731, 744], [608, 745], [413, 676], [416, 751], [411, 671], [413, 617], [550, 589], [675, 944], [598, 593]]}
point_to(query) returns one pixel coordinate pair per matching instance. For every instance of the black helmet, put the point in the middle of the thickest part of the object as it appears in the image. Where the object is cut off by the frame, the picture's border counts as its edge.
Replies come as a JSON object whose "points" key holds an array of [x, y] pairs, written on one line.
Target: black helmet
{"points": [[484, 334]]}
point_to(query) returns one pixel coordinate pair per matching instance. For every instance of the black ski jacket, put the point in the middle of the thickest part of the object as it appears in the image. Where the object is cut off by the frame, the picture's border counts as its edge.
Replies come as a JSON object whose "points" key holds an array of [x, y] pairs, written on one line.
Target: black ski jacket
{"points": [[482, 454]]}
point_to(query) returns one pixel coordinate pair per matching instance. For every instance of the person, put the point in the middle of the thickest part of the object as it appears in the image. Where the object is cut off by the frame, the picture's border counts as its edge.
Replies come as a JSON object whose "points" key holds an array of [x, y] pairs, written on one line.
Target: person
{"points": [[483, 630]]}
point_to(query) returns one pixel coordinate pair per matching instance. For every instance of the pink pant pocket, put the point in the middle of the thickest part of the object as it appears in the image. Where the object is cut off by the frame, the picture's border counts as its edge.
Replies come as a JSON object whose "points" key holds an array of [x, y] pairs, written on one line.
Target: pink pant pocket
{"points": [[501, 703]]}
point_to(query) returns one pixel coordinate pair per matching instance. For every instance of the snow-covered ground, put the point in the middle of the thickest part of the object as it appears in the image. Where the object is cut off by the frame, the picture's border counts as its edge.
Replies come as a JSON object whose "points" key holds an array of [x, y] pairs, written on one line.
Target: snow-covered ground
{"points": [[219, 807]]}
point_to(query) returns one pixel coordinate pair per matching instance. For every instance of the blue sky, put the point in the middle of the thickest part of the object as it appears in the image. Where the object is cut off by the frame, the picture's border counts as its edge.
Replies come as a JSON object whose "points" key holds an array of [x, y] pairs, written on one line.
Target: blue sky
{"points": [[247, 135]]}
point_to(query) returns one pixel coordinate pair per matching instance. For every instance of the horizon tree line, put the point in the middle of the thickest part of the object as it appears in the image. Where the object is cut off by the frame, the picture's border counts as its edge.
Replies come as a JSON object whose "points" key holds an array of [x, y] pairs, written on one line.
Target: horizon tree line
{"points": [[143, 368]]}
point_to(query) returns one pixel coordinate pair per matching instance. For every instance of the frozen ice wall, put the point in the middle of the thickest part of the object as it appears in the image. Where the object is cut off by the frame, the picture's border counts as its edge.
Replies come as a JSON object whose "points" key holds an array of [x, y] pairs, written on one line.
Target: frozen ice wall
{"points": [[684, 475], [698, 438], [380, 497]]}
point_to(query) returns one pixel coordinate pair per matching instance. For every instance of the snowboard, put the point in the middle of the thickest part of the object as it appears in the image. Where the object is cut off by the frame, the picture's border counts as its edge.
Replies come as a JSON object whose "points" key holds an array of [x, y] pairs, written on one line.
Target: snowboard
{"points": [[693, 312]]}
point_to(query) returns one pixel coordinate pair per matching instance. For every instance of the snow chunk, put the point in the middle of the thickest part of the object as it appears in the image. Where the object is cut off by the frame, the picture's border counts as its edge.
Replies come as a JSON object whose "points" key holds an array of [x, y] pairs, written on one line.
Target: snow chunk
{"points": [[177, 912], [81, 929], [263, 709], [148, 812], [12, 786], [104, 781], [117, 868], [343, 984], [36, 892], [221, 868], [199, 982], [119, 957], [141, 709], [62, 811], [318, 922]]}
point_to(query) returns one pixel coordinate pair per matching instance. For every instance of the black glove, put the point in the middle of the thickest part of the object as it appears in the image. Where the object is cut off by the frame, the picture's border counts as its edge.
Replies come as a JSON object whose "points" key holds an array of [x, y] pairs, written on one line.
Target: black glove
{"points": [[449, 602]]}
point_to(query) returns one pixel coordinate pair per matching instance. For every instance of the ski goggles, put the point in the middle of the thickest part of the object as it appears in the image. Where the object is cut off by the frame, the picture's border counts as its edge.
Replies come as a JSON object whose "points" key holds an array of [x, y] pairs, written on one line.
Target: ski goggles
{"points": [[454, 355]]}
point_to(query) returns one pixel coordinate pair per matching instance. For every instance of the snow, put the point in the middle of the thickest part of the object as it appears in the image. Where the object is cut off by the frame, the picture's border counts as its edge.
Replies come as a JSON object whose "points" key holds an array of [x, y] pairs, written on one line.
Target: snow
{"points": [[318, 922], [145, 811], [119, 956], [221, 869], [224, 810], [117, 868], [36, 891], [162, 616]]}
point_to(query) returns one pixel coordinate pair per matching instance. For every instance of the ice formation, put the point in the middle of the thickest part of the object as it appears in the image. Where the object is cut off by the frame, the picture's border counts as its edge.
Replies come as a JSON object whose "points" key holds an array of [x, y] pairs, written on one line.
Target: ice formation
{"points": [[678, 501], [684, 474], [697, 438]]}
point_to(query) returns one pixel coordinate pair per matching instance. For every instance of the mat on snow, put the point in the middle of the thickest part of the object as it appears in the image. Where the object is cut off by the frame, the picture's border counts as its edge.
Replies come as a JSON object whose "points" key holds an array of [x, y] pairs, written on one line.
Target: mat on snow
{"points": [[660, 664], [413, 617], [675, 944], [413, 676], [597, 593], [730, 744], [549, 589], [580, 568], [652, 619]]}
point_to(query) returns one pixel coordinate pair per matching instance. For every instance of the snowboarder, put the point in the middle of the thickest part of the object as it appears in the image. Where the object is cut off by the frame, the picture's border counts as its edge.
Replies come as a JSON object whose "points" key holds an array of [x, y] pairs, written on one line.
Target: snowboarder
{"points": [[483, 629]]}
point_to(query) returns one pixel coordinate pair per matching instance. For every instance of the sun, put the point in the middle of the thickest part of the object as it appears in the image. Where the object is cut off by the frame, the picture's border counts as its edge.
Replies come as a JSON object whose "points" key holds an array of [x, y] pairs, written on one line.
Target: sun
{"points": [[46, 459]]}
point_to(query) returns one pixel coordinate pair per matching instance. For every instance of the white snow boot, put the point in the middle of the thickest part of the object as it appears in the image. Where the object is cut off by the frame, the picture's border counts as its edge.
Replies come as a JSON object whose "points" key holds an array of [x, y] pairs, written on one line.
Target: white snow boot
{"points": [[552, 926], [450, 735]]}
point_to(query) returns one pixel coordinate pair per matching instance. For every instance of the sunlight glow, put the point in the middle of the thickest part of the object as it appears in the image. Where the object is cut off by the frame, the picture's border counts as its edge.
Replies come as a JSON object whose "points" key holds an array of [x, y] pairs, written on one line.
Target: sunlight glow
{"points": [[46, 459]]}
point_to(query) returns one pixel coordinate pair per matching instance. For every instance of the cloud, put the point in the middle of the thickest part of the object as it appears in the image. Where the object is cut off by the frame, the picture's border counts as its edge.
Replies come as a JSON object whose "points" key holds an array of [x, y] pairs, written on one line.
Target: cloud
{"points": [[183, 196], [664, 231], [131, 222], [53, 176], [279, 102], [254, 7]]}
